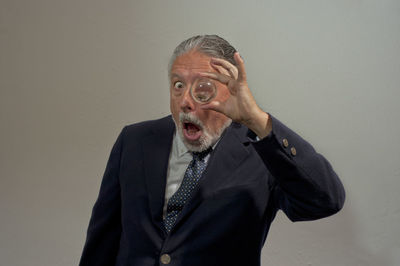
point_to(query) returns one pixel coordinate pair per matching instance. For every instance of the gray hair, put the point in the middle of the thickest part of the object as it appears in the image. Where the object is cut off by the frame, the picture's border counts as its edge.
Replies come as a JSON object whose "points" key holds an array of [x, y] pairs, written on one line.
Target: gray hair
{"points": [[211, 45]]}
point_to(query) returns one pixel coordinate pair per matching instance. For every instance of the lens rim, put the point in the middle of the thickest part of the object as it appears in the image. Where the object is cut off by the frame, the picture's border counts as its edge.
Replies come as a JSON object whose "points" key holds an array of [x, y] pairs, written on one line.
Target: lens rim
{"points": [[196, 83]]}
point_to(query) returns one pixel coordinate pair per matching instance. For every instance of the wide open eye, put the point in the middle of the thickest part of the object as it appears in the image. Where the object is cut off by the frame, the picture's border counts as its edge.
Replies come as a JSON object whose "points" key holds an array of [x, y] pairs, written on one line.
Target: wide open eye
{"points": [[178, 85]]}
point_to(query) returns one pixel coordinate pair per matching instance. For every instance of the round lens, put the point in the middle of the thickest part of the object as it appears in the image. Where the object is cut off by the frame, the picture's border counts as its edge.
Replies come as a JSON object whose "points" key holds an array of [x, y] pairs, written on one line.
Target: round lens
{"points": [[203, 91]]}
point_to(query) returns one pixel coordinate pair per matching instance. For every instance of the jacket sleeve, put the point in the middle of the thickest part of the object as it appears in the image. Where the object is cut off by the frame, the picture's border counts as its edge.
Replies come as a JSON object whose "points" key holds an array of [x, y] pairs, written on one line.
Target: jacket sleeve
{"points": [[306, 187], [104, 231]]}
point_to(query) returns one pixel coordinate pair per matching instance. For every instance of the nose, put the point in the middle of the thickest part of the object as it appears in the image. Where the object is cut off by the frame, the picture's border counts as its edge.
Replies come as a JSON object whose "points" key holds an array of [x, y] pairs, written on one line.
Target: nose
{"points": [[187, 103]]}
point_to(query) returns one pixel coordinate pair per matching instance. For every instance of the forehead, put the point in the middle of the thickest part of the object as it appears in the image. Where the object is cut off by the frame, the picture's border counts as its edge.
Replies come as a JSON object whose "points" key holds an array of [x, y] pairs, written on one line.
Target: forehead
{"points": [[190, 63]]}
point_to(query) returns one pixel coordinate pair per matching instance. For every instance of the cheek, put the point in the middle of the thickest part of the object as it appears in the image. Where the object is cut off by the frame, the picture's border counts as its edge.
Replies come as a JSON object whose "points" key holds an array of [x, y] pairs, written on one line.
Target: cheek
{"points": [[173, 100], [223, 93], [174, 107], [216, 121]]}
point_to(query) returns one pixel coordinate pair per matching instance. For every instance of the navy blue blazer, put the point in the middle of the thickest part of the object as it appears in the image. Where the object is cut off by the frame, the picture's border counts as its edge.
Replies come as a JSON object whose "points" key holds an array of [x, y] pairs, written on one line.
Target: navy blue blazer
{"points": [[228, 217]]}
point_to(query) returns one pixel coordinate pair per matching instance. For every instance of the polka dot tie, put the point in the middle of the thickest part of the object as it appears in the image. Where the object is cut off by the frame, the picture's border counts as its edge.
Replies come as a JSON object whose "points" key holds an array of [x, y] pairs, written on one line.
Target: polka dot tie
{"points": [[190, 180]]}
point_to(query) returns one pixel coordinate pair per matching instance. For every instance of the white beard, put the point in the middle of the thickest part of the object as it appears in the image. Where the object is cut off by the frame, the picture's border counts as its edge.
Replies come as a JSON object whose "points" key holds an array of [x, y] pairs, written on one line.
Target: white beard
{"points": [[207, 138]]}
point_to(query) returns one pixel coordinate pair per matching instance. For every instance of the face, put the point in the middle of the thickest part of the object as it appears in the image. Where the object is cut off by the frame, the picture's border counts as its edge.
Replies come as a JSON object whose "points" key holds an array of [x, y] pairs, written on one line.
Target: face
{"points": [[198, 128]]}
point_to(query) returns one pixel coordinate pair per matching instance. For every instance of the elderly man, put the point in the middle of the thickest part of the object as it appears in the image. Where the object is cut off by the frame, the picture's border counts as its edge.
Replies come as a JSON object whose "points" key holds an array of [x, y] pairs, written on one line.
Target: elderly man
{"points": [[201, 187]]}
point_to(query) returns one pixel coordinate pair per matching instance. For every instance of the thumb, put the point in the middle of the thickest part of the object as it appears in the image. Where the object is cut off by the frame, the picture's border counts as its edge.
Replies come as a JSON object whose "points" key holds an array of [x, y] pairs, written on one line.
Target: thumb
{"points": [[214, 105]]}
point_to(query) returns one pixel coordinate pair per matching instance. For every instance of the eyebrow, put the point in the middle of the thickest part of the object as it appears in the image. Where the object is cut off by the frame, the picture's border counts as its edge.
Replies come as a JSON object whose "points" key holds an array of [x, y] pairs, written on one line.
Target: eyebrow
{"points": [[174, 75]]}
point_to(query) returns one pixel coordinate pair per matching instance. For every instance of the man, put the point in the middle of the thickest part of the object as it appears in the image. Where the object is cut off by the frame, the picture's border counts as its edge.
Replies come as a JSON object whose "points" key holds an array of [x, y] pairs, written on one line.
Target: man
{"points": [[201, 187]]}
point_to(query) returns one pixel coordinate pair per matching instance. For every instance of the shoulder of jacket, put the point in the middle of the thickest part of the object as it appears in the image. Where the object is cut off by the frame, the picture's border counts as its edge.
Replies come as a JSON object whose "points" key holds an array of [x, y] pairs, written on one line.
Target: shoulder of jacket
{"points": [[148, 127]]}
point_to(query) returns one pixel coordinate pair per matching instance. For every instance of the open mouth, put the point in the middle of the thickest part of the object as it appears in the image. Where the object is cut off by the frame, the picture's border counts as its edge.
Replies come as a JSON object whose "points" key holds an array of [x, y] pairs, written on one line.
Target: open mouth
{"points": [[191, 131]]}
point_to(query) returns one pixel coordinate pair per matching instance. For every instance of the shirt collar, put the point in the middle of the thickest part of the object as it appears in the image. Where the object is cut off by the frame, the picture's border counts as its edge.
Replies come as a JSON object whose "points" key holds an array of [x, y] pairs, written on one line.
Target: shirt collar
{"points": [[179, 146]]}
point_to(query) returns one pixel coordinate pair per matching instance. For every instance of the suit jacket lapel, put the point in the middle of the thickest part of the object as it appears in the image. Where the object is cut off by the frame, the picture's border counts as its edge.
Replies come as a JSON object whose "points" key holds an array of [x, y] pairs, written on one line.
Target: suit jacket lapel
{"points": [[156, 149], [227, 156]]}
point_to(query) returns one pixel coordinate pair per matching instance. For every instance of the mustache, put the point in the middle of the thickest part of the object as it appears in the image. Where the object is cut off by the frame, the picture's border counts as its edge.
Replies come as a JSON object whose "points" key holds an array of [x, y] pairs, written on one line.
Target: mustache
{"points": [[190, 118]]}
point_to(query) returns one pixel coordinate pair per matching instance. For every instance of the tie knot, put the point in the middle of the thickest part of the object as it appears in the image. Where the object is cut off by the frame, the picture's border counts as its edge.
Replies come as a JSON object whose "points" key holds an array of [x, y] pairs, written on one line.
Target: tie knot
{"points": [[201, 155]]}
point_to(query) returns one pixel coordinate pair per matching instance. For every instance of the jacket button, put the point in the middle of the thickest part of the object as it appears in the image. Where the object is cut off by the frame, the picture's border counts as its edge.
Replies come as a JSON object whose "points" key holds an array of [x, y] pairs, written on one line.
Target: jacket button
{"points": [[165, 259], [285, 143], [293, 151]]}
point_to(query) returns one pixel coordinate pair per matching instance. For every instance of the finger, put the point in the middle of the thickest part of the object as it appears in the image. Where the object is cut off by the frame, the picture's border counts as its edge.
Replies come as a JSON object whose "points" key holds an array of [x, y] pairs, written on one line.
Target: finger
{"points": [[215, 106], [224, 79], [240, 63], [221, 69], [233, 71]]}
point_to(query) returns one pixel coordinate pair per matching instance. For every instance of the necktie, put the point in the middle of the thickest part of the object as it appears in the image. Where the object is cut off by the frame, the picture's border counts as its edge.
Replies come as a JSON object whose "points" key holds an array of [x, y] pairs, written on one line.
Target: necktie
{"points": [[191, 178]]}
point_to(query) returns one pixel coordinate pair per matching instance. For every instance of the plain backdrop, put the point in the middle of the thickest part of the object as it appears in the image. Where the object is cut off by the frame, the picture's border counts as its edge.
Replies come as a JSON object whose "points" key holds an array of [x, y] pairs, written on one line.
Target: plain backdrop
{"points": [[73, 73]]}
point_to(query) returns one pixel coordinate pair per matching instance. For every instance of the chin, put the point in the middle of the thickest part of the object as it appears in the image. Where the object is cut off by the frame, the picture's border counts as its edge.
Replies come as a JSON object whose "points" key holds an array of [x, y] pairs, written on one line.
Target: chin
{"points": [[203, 143]]}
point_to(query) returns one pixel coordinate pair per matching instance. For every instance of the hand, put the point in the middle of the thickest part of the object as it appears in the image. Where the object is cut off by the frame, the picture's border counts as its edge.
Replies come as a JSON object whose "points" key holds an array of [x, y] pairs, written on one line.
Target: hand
{"points": [[241, 106]]}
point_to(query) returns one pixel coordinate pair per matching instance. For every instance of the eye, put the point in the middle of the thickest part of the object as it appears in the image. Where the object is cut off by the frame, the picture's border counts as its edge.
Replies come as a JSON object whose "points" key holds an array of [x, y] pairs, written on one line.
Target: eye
{"points": [[178, 85]]}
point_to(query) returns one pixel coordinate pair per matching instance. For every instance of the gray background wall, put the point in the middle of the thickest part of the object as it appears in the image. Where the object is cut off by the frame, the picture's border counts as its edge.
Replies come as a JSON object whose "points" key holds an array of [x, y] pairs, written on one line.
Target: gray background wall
{"points": [[73, 73]]}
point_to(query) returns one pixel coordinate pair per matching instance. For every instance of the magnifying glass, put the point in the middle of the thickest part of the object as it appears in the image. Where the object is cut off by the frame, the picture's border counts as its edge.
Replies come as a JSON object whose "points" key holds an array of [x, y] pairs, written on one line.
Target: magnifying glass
{"points": [[203, 90]]}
